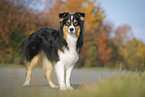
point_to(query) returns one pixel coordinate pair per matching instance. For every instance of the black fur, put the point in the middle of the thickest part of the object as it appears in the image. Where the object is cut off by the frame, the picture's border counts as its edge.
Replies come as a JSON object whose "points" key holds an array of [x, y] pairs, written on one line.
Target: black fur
{"points": [[50, 41], [47, 40]]}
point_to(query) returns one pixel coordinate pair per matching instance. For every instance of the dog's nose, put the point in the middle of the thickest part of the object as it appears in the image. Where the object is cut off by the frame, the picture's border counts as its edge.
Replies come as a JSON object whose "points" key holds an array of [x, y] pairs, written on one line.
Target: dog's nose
{"points": [[71, 29]]}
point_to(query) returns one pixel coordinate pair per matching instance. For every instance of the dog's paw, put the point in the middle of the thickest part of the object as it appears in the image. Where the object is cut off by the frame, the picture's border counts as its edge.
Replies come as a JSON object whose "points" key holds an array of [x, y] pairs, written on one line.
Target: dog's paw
{"points": [[69, 88], [52, 85], [25, 84], [63, 88]]}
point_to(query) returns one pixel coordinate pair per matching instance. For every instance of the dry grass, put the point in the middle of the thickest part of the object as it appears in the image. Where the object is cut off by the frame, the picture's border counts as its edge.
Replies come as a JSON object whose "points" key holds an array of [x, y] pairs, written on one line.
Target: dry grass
{"points": [[131, 85]]}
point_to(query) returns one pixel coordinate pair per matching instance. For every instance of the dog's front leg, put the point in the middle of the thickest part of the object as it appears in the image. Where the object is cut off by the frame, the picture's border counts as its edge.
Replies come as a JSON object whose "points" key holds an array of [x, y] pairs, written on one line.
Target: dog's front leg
{"points": [[68, 74], [59, 68]]}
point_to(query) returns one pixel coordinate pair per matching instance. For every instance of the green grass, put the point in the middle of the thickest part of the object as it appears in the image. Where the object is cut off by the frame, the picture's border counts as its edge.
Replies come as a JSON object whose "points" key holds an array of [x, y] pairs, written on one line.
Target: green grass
{"points": [[131, 85]]}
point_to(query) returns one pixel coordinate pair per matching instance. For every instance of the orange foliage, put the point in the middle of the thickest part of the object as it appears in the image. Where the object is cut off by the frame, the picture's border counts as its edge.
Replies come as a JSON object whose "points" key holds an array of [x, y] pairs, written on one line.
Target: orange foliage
{"points": [[16, 21], [104, 50]]}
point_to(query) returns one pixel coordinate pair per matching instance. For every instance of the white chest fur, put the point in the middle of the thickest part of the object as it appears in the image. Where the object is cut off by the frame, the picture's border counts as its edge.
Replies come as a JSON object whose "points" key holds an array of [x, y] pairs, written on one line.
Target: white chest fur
{"points": [[70, 56]]}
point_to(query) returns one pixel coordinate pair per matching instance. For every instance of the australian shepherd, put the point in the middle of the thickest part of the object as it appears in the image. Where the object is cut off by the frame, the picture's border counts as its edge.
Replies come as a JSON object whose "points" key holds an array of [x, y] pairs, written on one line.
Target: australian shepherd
{"points": [[56, 48]]}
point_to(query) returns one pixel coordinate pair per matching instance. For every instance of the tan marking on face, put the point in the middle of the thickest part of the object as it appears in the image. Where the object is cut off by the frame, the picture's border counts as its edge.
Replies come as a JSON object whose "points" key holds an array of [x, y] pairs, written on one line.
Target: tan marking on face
{"points": [[65, 31], [69, 21], [82, 18], [79, 14], [61, 19], [64, 14], [78, 31], [75, 21]]}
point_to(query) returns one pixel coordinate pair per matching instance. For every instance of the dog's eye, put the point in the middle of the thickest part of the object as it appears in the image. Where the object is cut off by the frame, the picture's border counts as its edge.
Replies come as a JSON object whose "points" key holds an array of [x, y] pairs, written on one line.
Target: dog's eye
{"points": [[76, 23], [67, 23]]}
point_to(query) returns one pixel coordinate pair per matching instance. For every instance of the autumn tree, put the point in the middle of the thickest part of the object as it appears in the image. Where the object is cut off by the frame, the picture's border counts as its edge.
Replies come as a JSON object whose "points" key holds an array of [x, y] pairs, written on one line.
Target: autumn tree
{"points": [[131, 50], [17, 22], [93, 27], [104, 50], [123, 34], [133, 54], [141, 54]]}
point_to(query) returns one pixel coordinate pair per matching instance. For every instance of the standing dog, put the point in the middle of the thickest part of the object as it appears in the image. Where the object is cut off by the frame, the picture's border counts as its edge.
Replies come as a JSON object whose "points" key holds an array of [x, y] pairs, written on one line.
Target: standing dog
{"points": [[56, 48]]}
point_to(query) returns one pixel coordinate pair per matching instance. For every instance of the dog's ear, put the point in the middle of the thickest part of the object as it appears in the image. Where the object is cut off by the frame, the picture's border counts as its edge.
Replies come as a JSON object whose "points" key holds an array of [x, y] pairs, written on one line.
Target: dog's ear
{"points": [[62, 16], [81, 15]]}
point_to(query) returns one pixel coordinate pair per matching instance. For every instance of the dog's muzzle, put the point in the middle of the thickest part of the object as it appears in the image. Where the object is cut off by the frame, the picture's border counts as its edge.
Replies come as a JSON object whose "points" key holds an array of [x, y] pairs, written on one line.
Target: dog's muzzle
{"points": [[71, 29]]}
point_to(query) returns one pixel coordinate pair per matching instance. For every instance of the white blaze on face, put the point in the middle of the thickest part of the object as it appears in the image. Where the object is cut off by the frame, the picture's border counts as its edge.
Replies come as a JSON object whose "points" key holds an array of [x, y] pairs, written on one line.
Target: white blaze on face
{"points": [[71, 28], [71, 17]]}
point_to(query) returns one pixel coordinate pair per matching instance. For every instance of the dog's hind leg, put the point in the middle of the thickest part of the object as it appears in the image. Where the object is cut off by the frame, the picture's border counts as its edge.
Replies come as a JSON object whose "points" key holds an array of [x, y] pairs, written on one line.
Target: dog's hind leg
{"points": [[48, 67], [30, 66], [48, 77]]}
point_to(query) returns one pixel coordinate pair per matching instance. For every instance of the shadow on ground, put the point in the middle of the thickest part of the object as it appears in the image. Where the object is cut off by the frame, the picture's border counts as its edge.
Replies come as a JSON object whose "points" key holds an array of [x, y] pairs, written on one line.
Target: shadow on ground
{"points": [[75, 86]]}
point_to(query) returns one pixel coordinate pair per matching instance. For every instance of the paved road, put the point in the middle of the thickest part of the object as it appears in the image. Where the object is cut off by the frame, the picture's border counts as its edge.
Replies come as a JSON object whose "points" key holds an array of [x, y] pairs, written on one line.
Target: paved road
{"points": [[11, 80]]}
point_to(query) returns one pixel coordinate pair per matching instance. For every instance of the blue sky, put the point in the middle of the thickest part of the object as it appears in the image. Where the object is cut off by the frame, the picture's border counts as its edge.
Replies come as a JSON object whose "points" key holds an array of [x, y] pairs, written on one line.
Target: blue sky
{"points": [[131, 12]]}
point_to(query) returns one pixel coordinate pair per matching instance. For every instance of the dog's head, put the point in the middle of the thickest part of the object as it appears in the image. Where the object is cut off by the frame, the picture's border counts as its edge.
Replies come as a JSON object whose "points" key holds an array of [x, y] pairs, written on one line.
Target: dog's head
{"points": [[72, 24]]}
